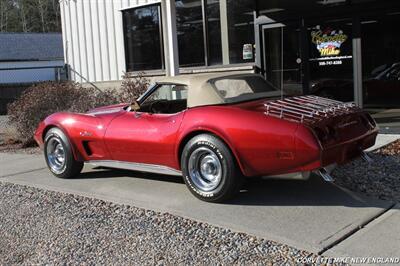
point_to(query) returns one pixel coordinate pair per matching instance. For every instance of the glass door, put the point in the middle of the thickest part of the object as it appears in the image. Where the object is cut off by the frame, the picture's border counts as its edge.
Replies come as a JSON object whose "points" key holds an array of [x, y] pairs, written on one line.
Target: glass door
{"points": [[331, 58], [282, 61]]}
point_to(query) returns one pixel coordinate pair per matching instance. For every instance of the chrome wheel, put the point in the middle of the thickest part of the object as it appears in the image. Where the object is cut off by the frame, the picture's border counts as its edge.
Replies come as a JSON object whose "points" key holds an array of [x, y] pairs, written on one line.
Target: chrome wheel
{"points": [[56, 155], [205, 169]]}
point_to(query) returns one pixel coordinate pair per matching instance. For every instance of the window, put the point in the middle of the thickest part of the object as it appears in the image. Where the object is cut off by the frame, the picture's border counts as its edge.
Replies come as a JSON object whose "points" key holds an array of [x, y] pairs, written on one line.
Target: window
{"points": [[189, 24], [143, 38], [331, 58], [244, 88], [214, 32], [241, 29], [168, 92], [166, 99], [381, 60], [199, 42]]}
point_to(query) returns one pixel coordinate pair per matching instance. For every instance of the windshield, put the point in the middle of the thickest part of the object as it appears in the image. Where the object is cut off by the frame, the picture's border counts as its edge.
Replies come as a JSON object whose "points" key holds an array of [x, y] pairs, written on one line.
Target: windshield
{"points": [[243, 88]]}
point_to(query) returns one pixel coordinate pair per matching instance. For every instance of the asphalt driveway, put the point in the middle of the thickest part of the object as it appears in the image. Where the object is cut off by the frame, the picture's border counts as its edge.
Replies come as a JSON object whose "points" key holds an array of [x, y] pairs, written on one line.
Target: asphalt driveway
{"points": [[313, 215]]}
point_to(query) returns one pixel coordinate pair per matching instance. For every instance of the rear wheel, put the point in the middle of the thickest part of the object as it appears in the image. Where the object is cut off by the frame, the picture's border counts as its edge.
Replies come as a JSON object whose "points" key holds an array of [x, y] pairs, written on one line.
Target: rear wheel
{"points": [[209, 169], [59, 156]]}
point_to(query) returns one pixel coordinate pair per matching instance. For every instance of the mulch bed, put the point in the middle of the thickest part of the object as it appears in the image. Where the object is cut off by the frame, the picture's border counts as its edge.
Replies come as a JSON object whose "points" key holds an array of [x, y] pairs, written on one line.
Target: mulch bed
{"points": [[391, 149]]}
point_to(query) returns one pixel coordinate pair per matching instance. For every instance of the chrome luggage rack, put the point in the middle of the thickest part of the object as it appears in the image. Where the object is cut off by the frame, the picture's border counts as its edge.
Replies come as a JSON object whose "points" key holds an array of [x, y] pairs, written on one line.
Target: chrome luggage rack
{"points": [[307, 109]]}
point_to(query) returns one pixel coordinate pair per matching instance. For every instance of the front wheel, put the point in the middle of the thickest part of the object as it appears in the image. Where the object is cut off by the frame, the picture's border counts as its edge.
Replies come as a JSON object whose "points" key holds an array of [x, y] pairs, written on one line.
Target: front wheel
{"points": [[209, 169], [59, 156]]}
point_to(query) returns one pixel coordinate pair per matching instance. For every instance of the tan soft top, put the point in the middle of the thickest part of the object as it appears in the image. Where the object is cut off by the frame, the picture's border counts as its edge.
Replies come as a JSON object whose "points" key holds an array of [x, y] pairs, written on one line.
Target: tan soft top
{"points": [[200, 90]]}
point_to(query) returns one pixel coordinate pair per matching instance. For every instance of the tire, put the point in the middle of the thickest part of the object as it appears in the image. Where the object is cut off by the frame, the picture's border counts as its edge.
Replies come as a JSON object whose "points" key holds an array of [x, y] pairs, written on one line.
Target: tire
{"points": [[209, 169], [59, 156]]}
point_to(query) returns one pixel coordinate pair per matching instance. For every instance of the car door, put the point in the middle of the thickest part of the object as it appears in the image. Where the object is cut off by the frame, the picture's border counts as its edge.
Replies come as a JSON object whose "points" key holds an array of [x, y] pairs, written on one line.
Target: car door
{"points": [[144, 136]]}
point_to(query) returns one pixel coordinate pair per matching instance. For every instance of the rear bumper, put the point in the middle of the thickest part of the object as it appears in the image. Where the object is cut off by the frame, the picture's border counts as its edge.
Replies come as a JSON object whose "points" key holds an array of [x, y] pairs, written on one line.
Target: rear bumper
{"points": [[348, 150]]}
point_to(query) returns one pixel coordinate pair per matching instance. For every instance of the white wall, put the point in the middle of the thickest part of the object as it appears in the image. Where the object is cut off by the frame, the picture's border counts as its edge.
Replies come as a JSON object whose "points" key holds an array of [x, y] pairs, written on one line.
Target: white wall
{"points": [[93, 38], [28, 75]]}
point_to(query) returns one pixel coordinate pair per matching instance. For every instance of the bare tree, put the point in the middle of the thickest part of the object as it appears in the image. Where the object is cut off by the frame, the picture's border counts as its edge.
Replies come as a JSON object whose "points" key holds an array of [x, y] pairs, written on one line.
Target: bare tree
{"points": [[56, 11], [42, 7], [21, 6], [30, 16], [3, 15]]}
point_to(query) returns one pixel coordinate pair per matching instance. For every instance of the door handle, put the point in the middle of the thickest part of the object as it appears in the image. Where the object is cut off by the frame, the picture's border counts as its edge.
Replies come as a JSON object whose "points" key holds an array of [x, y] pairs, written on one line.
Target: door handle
{"points": [[138, 115]]}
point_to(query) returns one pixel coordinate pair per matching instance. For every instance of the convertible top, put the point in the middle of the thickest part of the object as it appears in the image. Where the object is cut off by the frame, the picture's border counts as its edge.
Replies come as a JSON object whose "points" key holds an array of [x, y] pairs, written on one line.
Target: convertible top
{"points": [[200, 90]]}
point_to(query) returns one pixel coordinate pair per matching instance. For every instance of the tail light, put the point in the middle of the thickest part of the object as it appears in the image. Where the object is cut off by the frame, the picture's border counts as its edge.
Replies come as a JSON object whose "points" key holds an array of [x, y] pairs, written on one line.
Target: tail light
{"points": [[368, 121], [326, 133]]}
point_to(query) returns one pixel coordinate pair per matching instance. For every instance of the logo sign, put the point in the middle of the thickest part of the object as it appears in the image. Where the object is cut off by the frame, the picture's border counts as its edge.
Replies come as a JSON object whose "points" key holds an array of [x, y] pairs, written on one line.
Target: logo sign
{"points": [[328, 41]]}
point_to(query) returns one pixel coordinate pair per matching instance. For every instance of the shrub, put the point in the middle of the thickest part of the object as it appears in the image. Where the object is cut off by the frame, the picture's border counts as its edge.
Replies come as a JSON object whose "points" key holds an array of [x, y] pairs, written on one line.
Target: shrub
{"points": [[41, 100], [90, 98], [133, 87]]}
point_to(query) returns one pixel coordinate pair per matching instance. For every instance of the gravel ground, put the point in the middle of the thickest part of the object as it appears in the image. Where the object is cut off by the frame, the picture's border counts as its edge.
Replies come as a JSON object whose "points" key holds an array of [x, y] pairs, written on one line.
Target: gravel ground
{"points": [[44, 227], [379, 179]]}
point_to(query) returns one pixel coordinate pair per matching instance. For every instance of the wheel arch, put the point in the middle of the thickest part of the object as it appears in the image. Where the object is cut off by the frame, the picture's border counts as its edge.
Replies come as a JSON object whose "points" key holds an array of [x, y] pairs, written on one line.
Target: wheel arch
{"points": [[187, 137], [76, 154]]}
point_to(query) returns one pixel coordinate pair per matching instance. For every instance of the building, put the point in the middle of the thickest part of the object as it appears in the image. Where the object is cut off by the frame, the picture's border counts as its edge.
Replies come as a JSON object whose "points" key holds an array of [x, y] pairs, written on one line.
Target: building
{"points": [[345, 49], [30, 57]]}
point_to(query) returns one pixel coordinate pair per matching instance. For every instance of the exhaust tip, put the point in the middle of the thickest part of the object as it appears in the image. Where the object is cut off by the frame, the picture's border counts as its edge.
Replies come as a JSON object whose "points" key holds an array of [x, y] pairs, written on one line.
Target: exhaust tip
{"points": [[325, 175], [366, 157]]}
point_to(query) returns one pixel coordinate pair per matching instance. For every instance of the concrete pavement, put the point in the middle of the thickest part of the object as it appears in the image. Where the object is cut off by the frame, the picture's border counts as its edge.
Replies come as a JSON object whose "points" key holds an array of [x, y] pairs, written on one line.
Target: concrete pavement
{"points": [[311, 215], [380, 238]]}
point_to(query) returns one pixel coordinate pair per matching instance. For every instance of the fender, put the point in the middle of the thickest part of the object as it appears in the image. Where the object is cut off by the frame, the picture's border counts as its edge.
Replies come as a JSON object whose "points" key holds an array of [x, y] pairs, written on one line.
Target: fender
{"points": [[79, 128], [190, 133], [41, 134]]}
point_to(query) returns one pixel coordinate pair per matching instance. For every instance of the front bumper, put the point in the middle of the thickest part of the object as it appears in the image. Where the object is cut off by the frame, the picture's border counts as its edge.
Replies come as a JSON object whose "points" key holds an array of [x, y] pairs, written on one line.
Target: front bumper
{"points": [[38, 136]]}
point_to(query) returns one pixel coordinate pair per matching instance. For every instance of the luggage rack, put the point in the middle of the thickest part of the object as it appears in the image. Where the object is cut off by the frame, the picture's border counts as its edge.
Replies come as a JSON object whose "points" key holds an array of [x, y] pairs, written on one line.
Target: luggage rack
{"points": [[307, 109]]}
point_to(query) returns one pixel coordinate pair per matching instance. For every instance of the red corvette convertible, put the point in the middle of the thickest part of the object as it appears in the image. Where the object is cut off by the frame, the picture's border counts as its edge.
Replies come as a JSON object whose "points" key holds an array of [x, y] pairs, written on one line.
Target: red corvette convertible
{"points": [[212, 129]]}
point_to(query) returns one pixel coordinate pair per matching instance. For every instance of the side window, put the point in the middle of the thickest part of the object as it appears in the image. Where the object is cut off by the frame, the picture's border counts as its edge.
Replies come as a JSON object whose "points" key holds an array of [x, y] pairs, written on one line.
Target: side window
{"points": [[166, 99], [169, 92]]}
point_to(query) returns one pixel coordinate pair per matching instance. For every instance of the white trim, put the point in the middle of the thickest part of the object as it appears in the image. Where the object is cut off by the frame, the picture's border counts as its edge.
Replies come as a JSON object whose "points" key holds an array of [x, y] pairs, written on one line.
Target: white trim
{"points": [[223, 7], [172, 38], [139, 5]]}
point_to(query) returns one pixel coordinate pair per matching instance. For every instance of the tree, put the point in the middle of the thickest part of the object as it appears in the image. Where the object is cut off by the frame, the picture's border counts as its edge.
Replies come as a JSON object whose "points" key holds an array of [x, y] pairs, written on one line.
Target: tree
{"points": [[4, 8], [30, 16]]}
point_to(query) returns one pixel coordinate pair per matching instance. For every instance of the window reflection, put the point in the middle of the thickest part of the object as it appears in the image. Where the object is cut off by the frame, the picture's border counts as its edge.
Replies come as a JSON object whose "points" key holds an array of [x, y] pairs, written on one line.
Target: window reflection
{"points": [[142, 35], [381, 60], [214, 32], [189, 24], [241, 28]]}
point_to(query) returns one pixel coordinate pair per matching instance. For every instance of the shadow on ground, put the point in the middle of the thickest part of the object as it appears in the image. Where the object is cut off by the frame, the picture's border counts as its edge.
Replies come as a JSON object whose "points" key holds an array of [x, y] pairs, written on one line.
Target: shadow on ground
{"points": [[257, 191]]}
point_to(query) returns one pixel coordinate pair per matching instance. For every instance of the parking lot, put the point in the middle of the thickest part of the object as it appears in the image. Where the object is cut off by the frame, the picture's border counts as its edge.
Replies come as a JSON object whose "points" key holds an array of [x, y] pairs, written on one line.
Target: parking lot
{"points": [[310, 215]]}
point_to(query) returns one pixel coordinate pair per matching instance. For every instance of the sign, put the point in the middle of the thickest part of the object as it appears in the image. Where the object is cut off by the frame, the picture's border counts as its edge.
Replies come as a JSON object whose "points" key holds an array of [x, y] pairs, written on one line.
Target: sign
{"points": [[247, 51], [328, 41]]}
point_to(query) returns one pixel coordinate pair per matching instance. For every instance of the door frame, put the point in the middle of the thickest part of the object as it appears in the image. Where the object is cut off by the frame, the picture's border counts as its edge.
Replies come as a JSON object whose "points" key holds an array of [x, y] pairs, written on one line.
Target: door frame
{"points": [[264, 63], [263, 23]]}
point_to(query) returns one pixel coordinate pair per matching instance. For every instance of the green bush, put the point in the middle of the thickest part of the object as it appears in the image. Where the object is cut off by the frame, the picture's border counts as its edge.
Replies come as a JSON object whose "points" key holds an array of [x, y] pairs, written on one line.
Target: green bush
{"points": [[41, 100]]}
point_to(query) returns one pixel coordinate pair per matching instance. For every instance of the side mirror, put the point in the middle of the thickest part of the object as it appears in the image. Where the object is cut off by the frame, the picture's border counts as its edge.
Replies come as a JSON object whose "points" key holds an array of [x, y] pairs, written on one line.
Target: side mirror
{"points": [[135, 106]]}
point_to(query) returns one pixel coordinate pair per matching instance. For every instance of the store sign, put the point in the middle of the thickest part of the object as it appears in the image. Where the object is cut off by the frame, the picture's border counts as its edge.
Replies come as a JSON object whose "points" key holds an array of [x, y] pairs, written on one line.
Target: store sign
{"points": [[328, 41], [247, 51]]}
